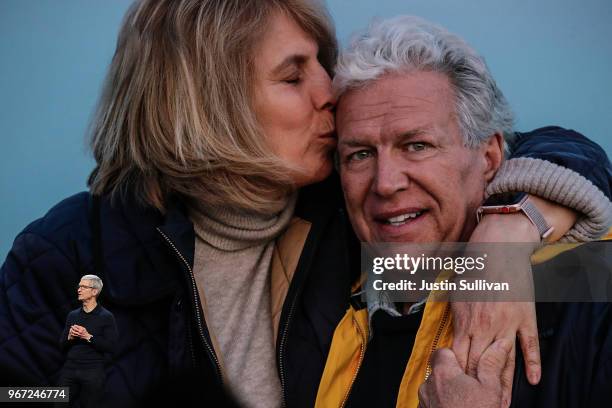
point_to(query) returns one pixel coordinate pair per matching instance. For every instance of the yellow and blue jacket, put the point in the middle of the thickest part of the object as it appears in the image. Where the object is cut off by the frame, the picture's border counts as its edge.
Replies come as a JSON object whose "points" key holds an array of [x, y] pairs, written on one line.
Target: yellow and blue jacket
{"points": [[580, 331]]}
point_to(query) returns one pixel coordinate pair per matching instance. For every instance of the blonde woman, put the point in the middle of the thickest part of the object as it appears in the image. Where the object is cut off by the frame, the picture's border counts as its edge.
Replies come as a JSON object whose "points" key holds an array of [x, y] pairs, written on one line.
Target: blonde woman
{"points": [[213, 215]]}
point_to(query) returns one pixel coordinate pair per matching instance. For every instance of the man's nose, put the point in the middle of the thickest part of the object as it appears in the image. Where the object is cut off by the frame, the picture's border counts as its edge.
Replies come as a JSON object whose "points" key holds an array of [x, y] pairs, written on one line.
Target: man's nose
{"points": [[390, 177]]}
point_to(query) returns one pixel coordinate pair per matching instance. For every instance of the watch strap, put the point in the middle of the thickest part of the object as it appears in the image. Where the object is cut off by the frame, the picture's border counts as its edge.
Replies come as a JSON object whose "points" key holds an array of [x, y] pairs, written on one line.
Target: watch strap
{"points": [[536, 218], [524, 204]]}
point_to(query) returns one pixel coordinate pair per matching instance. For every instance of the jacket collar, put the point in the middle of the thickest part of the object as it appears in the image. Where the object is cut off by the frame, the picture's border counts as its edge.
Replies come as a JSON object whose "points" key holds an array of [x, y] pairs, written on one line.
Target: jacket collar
{"points": [[178, 228], [139, 268]]}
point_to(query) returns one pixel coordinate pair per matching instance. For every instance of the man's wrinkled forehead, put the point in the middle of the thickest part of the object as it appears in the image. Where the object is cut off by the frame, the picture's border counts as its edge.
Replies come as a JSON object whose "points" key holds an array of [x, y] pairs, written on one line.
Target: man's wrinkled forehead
{"points": [[394, 105], [372, 119]]}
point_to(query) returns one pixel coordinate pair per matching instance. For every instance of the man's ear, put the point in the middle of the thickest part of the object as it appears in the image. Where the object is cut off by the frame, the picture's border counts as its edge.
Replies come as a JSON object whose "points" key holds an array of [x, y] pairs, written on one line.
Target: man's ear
{"points": [[493, 154]]}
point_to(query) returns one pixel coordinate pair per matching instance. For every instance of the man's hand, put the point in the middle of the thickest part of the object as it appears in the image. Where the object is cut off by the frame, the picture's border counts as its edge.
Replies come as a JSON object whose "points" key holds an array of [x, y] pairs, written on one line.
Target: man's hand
{"points": [[72, 333], [80, 331], [478, 324], [448, 386]]}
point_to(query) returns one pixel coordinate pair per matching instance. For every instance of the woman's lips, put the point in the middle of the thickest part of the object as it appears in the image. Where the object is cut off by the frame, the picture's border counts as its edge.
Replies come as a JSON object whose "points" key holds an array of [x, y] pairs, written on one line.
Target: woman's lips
{"points": [[328, 139]]}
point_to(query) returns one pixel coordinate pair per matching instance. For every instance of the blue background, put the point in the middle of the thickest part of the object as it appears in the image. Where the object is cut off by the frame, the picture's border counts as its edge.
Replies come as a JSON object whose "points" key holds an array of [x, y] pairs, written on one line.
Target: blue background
{"points": [[552, 59]]}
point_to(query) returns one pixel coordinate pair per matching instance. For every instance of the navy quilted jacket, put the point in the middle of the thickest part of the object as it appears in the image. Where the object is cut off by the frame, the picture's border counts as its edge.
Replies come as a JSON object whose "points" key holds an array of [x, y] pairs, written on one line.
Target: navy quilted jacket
{"points": [[145, 260]]}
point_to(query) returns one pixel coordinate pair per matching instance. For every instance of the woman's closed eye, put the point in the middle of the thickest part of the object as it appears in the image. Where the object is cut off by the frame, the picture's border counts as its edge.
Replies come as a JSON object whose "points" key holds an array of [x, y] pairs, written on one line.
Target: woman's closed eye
{"points": [[293, 80]]}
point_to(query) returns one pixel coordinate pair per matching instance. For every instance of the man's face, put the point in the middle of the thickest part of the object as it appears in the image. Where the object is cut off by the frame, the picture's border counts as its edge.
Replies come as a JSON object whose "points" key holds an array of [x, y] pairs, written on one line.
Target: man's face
{"points": [[406, 174], [85, 290]]}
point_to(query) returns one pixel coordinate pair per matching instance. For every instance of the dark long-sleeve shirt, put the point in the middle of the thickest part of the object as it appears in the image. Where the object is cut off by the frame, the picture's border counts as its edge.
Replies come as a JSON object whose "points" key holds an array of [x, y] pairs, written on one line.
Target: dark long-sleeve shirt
{"points": [[100, 323]]}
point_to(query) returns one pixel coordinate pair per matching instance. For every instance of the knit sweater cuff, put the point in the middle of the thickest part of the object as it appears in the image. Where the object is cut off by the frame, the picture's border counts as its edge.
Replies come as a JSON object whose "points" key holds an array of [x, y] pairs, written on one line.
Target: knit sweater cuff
{"points": [[562, 186]]}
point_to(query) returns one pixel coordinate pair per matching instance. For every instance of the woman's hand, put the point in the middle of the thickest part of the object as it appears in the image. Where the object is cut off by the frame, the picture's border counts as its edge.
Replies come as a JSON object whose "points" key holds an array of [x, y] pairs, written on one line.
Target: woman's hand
{"points": [[478, 324]]}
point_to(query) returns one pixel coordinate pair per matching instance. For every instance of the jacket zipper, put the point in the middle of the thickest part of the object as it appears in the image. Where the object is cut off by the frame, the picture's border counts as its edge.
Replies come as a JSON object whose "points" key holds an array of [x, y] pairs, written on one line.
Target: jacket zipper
{"points": [[361, 355], [283, 340], [282, 348], [211, 351], [434, 345]]}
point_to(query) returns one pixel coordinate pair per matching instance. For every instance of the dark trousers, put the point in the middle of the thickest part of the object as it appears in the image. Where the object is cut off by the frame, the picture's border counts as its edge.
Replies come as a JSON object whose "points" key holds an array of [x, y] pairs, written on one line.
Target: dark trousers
{"points": [[86, 385]]}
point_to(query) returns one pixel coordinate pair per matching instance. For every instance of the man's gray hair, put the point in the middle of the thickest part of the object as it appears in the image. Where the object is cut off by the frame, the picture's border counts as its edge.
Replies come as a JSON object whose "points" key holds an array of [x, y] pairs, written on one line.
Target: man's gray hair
{"points": [[406, 44], [96, 282]]}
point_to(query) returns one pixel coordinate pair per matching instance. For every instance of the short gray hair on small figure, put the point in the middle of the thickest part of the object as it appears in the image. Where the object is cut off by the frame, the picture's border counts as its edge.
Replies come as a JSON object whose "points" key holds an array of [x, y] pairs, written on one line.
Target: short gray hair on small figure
{"points": [[406, 44], [96, 282]]}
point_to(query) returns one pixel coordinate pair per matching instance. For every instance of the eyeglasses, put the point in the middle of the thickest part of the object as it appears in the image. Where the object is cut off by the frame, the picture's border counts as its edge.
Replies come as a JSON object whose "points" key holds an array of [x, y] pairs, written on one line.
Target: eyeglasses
{"points": [[85, 287]]}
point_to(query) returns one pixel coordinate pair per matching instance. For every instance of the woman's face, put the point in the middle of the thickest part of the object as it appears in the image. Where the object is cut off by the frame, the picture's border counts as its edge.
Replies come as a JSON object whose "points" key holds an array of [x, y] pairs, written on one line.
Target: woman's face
{"points": [[293, 100]]}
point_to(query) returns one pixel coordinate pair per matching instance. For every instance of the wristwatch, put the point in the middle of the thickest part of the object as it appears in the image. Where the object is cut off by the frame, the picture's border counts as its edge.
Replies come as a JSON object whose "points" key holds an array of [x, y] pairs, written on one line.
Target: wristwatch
{"points": [[509, 203]]}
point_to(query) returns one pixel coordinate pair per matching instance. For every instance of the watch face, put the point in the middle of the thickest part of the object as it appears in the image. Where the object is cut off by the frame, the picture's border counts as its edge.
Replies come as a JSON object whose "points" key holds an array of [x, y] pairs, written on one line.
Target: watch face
{"points": [[505, 199]]}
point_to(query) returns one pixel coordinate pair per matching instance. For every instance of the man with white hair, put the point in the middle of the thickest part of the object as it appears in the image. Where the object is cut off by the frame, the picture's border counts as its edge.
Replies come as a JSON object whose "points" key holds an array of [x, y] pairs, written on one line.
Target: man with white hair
{"points": [[89, 333], [422, 128]]}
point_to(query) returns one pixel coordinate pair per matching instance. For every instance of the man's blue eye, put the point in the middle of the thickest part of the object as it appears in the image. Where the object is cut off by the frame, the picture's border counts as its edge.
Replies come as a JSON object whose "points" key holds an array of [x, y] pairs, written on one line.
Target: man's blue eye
{"points": [[359, 155], [416, 146]]}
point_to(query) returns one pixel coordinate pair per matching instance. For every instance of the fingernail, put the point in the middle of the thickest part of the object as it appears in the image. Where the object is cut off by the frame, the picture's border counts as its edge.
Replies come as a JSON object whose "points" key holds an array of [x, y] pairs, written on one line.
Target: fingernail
{"points": [[534, 378]]}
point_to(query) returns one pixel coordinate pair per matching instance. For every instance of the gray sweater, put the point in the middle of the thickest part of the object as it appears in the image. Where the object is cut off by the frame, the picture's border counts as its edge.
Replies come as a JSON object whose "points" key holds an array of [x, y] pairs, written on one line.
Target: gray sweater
{"points": [[233, 252]]}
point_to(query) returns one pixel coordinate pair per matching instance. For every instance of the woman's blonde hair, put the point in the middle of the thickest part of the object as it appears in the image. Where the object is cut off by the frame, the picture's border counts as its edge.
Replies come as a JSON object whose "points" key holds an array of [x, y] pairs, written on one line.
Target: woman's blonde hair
{"points": [[175, 116]]}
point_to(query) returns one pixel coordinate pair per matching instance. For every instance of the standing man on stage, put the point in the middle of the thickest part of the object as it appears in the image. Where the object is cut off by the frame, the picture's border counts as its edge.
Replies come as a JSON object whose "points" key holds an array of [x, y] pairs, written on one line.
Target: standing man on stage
{"points": [[89, 333]]}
